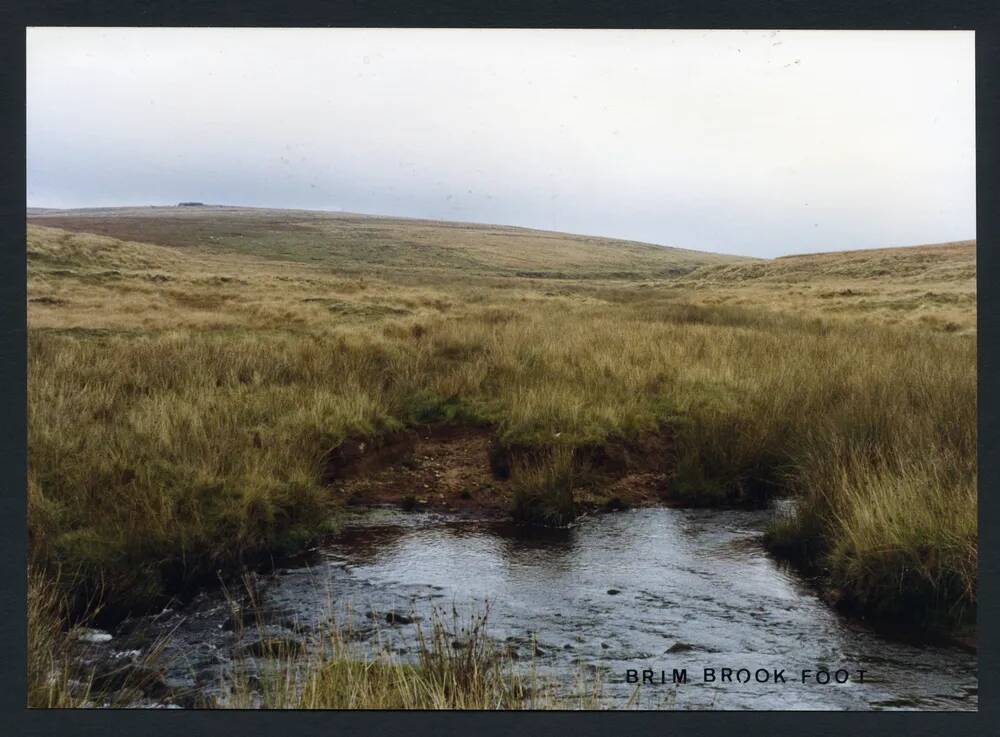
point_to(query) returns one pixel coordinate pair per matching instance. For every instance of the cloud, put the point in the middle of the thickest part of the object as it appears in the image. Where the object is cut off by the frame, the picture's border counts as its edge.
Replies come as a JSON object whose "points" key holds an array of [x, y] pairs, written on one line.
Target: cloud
{"points": [[755, 142]]}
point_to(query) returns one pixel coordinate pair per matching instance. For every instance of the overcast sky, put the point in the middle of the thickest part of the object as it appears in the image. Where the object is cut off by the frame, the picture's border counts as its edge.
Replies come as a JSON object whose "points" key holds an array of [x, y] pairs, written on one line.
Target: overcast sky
{"points": [[759, 143]]}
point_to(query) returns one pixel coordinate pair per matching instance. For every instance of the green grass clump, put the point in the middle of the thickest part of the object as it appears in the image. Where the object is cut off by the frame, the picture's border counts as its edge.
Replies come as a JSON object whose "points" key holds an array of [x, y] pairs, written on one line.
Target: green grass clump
{"points": [[543, 488]]}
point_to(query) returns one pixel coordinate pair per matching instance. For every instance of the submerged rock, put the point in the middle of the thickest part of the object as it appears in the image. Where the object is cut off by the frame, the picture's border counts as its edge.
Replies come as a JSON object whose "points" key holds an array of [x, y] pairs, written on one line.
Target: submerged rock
{"points": [[680, 647], [393, 617]]}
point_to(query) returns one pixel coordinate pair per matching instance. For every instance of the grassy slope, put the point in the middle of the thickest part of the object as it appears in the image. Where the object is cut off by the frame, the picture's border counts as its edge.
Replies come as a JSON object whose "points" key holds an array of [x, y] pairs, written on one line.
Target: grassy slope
{"points": [[933, 286], [411, 250], [182, 396]]}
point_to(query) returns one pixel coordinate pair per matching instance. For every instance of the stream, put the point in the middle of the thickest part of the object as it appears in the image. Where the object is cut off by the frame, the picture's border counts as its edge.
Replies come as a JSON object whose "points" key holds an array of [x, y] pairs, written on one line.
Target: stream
{"points": [[654, 589]]}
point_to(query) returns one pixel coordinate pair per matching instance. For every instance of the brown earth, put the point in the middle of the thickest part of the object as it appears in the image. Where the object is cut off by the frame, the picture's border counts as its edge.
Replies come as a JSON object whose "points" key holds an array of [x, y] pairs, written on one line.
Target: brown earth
{"points": [[436, 467], [466, 470]]}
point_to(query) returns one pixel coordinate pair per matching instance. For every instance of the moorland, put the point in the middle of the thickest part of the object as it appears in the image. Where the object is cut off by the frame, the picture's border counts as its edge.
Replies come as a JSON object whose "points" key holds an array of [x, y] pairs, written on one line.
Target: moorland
{"points": [[208, 386]]}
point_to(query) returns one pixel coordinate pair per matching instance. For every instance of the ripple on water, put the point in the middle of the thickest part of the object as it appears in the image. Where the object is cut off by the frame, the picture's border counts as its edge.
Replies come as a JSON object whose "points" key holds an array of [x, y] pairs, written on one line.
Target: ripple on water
{"points": [[694, 589]]}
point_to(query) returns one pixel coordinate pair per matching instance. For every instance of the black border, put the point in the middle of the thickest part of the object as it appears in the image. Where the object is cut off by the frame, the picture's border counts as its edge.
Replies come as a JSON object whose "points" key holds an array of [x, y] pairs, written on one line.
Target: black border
{"points": [[979, 15]]}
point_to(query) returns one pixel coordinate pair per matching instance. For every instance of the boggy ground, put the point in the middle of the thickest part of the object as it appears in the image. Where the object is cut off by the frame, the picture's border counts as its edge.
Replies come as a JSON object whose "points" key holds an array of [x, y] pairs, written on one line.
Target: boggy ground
{"points": [[188, 388], [465, 469]]}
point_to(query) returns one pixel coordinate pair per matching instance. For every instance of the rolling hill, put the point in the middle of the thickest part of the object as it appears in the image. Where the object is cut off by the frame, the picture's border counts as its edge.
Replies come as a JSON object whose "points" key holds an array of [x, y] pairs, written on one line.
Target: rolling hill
{"points": [[400, 247]]}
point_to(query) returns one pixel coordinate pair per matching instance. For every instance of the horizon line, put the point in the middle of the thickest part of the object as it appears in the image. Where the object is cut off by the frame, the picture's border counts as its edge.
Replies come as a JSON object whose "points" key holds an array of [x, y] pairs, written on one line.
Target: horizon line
{"points": [[196, 204]]}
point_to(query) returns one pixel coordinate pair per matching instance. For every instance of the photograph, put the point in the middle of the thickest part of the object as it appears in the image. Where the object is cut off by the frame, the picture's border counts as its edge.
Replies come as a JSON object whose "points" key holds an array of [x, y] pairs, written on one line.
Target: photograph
{"points": [[501, 369]]}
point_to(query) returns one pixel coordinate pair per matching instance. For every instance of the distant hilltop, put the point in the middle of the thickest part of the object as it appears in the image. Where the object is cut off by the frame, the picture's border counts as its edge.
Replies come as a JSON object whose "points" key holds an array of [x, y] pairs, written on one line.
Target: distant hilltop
{"points": [[190, 204]]}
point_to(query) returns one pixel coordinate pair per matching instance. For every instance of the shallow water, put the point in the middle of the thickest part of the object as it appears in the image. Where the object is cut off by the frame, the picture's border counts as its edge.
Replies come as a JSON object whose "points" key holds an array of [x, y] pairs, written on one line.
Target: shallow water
{"points": [[658, 589]]}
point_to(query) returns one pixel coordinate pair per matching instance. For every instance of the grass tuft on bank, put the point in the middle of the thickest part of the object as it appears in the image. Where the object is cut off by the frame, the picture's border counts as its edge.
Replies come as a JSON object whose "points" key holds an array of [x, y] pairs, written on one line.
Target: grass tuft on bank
{"points": [[449, 664]]}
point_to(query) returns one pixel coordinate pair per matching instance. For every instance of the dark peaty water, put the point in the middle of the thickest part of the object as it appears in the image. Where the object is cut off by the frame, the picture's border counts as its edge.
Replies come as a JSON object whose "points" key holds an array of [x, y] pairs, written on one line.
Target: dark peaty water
{"points": [[658, 589]]}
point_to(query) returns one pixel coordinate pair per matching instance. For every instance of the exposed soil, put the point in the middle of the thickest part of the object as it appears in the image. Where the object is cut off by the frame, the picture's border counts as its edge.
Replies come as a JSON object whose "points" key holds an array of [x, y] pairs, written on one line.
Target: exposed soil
{"points": [[434, 467], [462, 469]]}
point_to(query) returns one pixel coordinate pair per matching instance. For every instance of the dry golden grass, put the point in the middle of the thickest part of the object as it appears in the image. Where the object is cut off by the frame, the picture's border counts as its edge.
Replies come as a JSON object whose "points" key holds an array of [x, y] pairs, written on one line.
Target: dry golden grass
{"points": [[930, 287], [479, 675], [182, 397], [50, 677]]}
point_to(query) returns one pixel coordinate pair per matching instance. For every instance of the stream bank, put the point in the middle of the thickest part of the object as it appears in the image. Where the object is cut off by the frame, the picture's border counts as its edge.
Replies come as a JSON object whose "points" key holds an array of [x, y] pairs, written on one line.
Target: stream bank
{"points": [[654, 589]]}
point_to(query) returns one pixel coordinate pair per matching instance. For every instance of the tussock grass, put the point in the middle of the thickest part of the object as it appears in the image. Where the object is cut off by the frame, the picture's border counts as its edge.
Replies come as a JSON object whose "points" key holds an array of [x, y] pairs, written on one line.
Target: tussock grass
{"points": [[178, 425], [543, 488], [446, 663], [59, 673], [896, 531], [451, 665], [51, 681]]}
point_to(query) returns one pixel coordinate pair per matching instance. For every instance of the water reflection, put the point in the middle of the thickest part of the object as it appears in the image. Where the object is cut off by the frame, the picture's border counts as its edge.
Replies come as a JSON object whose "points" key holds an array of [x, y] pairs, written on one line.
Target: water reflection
{"points": [[661, 587], [652, 588]]}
